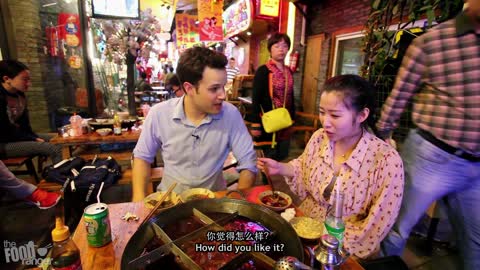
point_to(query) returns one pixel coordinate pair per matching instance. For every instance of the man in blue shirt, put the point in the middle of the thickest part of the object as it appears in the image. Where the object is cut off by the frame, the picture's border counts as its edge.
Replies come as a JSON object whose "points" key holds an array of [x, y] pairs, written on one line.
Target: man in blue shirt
{"points": [[195, 132]]}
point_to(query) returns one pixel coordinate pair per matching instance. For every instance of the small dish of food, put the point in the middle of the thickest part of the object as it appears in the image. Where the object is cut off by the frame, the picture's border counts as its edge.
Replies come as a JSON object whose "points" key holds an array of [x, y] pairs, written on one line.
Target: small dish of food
{"points": [[196, 194], [104, 131], [277, 202], [307, 227], [151, 200]]}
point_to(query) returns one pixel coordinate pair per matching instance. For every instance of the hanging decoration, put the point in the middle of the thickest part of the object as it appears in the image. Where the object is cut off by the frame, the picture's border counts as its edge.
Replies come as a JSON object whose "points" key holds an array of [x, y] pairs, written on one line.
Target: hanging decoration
{"points": [[210, 20], [186, 30], [237, 18]]}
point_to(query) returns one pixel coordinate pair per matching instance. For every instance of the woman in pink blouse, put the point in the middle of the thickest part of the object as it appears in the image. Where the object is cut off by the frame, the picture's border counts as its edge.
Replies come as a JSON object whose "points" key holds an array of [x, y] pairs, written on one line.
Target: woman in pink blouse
{"points": [[345, 156]]}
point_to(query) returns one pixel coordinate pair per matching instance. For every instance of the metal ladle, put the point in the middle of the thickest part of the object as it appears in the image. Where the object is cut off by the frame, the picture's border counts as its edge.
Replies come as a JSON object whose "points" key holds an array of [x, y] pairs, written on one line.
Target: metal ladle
{"points": [[290, 263]]}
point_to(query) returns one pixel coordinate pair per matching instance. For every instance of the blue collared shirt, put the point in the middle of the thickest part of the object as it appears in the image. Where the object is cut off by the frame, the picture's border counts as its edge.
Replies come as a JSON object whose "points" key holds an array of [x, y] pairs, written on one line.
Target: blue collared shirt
{"points": [[193, 156]]}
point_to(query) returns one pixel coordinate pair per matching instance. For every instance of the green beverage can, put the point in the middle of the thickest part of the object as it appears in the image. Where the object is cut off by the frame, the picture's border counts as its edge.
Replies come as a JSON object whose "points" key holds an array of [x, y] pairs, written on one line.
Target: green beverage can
{"points": [[97, 223]]}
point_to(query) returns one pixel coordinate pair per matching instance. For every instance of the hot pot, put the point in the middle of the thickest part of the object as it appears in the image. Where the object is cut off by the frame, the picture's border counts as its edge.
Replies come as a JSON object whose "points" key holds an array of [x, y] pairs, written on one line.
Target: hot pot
{"points": [[283, 232]]}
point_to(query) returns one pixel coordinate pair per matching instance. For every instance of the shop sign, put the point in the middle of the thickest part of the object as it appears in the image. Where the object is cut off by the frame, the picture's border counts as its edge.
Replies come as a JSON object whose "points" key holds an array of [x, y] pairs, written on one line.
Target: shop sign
{"points": [[210, 20], [268, 8], [186, 30], [237, 18]]}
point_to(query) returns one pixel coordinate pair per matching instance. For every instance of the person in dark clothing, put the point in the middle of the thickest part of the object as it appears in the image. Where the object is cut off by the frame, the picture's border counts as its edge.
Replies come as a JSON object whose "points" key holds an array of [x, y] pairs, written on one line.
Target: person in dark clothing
{"points": [[175, 87], [17, 138], [142, 84], [276, 76]]}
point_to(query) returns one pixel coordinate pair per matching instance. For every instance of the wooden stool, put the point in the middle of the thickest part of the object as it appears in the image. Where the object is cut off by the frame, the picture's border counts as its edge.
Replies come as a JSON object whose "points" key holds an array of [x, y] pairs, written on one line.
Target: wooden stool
{"points": [[20, 161]]}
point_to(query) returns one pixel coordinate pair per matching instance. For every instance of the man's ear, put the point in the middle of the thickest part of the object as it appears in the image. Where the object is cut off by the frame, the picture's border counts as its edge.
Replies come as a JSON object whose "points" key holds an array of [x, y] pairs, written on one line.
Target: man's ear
{"points": [[4, 79], [188, 87]]}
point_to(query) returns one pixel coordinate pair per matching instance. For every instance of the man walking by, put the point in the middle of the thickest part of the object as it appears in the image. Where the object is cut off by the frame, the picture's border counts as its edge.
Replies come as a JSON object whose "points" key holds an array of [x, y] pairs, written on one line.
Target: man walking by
{"points": [[442, 155]]}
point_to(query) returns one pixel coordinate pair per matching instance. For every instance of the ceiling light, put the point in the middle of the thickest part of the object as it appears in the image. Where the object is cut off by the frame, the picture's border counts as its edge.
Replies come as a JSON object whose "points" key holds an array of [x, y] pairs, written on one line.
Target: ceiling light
{"points": [[249, 33]]}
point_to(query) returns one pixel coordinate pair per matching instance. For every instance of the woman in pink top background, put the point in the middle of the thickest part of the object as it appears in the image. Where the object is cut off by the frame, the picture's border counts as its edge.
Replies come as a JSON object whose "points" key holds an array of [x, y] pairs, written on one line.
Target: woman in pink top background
{"points": [[343, 155]]}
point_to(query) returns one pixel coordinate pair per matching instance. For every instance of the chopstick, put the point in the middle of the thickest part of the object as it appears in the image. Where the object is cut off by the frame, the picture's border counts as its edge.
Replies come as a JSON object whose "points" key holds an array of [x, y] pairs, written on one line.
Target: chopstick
{"points": [[164, 197], [269, 178]]}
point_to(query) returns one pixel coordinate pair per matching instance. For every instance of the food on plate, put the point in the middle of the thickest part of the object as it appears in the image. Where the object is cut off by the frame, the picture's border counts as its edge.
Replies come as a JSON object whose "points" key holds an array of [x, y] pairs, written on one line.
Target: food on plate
{"points": [[165, 203], [151, 200], [196, 194], [307, 227], [197, 197], [275, 201]]}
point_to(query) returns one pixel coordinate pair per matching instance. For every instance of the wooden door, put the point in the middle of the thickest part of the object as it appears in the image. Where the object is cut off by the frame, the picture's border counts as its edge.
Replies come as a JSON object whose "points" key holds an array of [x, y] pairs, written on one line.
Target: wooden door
{"points": [[311, 73]]}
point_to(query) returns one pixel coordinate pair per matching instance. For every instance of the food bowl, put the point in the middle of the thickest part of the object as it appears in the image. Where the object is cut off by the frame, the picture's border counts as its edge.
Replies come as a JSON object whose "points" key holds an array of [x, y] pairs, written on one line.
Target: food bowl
{"points": [[101, 123], [104, 131], [196, 194], [151, 200], [128, 123], [307, 228], [267, 200]]}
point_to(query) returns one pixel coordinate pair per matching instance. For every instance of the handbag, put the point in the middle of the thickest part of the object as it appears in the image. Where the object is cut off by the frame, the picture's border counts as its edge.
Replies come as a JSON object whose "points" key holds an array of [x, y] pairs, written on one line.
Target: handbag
{"points": [[278, 118]]}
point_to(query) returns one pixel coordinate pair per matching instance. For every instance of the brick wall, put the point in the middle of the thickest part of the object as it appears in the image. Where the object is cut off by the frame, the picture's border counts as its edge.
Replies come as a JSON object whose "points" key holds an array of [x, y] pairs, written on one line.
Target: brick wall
{"points": [[47, 91], [329, 16], [27, 36]]}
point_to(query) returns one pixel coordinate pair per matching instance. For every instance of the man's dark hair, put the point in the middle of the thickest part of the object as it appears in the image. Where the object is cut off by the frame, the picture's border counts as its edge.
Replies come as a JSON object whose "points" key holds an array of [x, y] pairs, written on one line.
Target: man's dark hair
{"points": [[174, 81], [232, 58], [193, 62], [170, 68], [143, 75], [277, 37], [11, 68]]}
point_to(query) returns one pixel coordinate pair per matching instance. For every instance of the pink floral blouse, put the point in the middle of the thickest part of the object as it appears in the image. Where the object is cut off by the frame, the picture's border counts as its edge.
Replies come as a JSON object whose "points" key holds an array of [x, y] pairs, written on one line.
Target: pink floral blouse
{"points": [[371, 179]]}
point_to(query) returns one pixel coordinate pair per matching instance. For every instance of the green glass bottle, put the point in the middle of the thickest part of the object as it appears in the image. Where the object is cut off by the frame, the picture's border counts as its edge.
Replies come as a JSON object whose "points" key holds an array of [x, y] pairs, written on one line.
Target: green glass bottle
{"points": [[334, 224]]}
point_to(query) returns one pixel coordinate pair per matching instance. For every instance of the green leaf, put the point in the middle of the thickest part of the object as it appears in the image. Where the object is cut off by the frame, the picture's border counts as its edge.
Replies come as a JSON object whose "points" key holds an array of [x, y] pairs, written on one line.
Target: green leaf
{"points": [[430, 17], [395, 9], [375, 4]]}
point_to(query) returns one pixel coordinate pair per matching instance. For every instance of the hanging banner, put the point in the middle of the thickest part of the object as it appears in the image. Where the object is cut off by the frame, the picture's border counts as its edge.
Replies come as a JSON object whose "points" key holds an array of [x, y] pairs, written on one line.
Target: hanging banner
{"points": [[186, 30], [237, 18], [210, 18]]}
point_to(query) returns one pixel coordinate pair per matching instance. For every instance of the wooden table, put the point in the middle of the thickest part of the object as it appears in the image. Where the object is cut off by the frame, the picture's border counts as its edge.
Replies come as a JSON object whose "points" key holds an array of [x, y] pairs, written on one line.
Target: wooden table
{"points": [[93, 138], [110, 256]]}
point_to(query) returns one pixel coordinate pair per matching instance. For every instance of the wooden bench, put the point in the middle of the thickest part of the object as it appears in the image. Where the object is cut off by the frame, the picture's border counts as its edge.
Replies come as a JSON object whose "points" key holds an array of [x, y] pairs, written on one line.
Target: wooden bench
{"points": [[20, 161], [157, 174]]}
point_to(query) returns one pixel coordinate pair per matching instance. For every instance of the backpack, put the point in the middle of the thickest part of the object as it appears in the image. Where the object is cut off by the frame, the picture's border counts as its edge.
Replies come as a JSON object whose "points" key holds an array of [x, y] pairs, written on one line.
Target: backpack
{"points": [[81, 182]]}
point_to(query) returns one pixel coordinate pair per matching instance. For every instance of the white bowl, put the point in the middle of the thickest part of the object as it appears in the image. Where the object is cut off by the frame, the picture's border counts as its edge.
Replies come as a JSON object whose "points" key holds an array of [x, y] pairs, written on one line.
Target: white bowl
{"points": [[307, 227], [151, 200], [196, 194], [104, 131]]}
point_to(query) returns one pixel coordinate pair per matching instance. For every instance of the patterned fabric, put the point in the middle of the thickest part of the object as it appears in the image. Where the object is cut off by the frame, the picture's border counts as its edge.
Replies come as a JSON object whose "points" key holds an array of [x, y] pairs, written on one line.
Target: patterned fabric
{"points": [[15, 107], [278, 78], [442, 67], [372, 180], [231, 73]]}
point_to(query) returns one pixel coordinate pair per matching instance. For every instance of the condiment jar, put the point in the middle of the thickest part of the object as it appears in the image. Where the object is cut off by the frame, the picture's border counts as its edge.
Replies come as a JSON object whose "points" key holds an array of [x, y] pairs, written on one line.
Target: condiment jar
{"points": [[76, 125], [328, 253]]}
